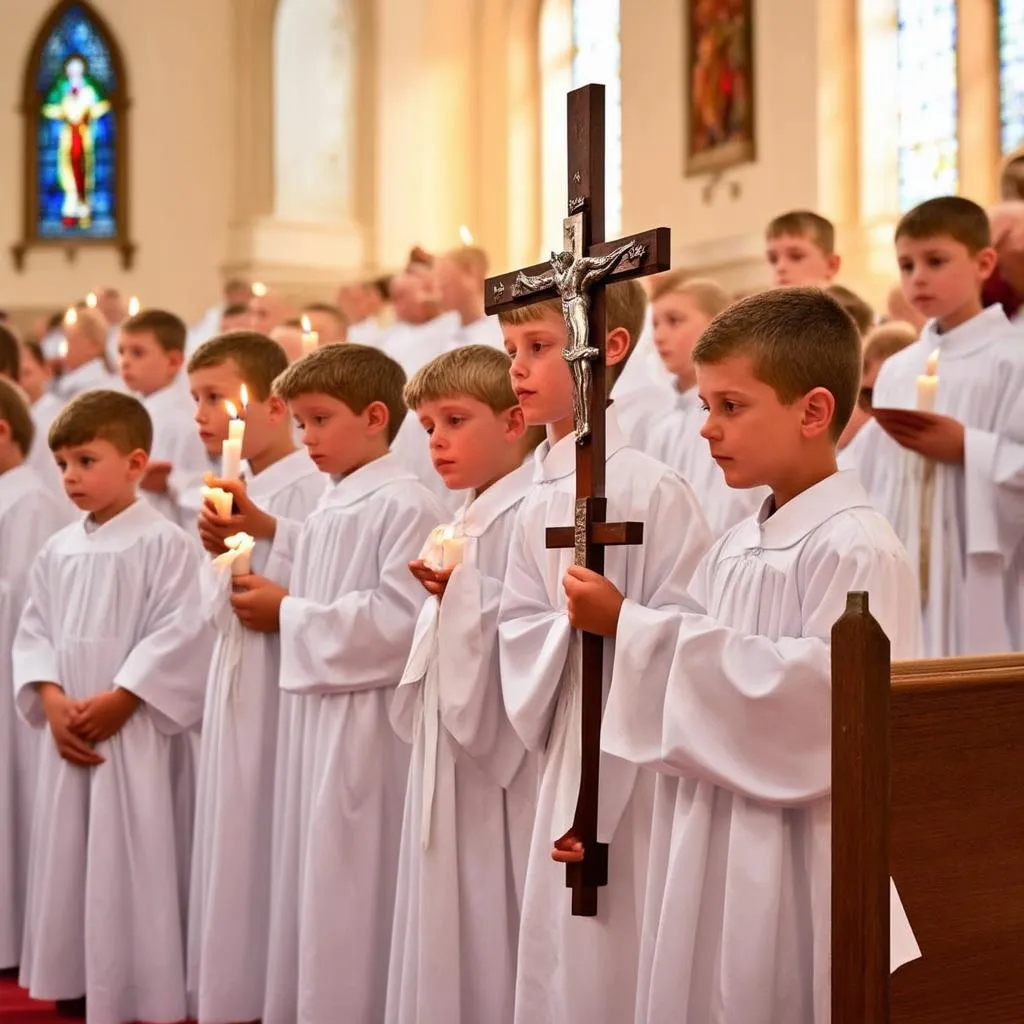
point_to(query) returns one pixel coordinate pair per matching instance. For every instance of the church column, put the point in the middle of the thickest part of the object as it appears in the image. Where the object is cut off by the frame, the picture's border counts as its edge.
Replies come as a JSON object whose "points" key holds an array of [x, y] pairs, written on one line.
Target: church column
{"points": [[978, 115]]}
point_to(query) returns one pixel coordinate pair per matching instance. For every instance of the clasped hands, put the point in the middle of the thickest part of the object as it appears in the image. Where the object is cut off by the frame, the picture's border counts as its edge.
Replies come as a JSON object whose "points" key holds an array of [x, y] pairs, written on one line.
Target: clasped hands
{"points": [[255, 599], [78, 725], [931, 435]]}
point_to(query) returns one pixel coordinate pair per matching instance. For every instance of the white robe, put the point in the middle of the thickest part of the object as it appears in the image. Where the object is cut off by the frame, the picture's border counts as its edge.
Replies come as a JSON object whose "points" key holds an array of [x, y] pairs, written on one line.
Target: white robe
{"points": [[229, 905], [862, 455], [644, 366], [90, 376], [40, 458], [29, 513], [115, 606], [976, 576], [640, 411], [734, 707], [366, 332], [414, 345], [346, 629], [471, 793], [560, 956], [676, 441], [176, 441], [485, 331]]}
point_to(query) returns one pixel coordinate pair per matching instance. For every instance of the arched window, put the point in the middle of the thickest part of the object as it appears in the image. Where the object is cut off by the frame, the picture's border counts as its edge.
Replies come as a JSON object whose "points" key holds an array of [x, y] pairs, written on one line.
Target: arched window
{"points": [[579, 44], [1011, 74], [75, 112], [927, 100]]}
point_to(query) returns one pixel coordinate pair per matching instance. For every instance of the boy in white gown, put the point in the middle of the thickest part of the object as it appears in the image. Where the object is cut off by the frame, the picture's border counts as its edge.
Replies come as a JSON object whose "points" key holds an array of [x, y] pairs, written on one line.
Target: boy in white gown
{"points": [[35, 377], [229, 907], [955, 463], [729, 695], [346, 623], [683, 308], [471, 793], [561, 956], [83, 356], [29, 513], [110, 659], [151, 355]]}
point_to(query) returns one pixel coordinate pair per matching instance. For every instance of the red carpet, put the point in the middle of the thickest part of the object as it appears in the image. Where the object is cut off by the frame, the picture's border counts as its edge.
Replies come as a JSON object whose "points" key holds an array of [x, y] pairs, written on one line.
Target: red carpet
{"points": [[17, 1008]]}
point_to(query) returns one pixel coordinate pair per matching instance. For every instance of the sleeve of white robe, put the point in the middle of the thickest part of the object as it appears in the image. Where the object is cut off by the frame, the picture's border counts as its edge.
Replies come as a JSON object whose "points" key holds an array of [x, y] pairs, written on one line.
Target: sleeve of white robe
{"points": [[469, 695], [361, 640], [692, 697], [34, 657], [282, 549], [167, 667], [533, 638]]}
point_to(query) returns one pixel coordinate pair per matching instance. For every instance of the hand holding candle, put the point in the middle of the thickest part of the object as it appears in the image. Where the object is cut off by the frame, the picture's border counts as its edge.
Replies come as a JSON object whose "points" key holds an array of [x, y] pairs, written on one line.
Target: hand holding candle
{"points": [[240, 546], [220, 499], [310, 338], [443, 549], [928, 384], [231, 450]]}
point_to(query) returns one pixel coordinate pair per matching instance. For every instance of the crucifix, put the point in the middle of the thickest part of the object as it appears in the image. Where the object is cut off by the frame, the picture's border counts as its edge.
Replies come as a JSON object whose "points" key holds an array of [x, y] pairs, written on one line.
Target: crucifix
{"points": [[577, 276]]}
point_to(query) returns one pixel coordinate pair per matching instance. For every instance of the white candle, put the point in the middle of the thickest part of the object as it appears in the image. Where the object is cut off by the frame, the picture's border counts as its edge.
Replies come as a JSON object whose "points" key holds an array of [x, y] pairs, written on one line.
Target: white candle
{"points": [[91, 300], [451, 549], [928, 384], [220, 499], [241, 544], [133, 306], [259, 289], [231, 449], [310, 338], [465, 235], [71, 317], [62, 348]]}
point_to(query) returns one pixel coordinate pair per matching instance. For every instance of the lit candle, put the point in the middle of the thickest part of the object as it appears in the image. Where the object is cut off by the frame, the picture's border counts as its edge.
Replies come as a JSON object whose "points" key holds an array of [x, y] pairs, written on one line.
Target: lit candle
{"points": [[259, 289], [451, 548], [91, 300], [466, 235], [133, 305], [71, 317], [62, 348], [310, 338], [241, 545], [231, 449], [928, 384], [220, 499]]}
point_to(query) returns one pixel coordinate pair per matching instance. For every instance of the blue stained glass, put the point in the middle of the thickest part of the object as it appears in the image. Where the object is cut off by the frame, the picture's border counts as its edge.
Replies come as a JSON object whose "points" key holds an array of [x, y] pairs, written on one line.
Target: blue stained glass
{"points": [[928, 101], [77, 131], [1011, 73]]}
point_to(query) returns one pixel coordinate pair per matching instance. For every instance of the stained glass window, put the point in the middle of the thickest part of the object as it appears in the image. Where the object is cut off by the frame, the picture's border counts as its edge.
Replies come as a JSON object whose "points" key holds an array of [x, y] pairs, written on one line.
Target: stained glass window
{"points": [[927, 81], [76, 130], [596, 51], [1011, 73]]}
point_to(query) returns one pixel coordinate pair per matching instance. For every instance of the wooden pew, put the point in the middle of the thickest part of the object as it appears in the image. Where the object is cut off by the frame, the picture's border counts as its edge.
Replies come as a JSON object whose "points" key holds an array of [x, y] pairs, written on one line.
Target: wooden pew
{"points": [[928, 787]]}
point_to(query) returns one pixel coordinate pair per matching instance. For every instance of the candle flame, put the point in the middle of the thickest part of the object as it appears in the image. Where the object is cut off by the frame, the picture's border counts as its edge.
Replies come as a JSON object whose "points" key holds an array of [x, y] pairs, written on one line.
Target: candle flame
{"points": [[133, 305], [244, 395], [466, 235], [259, 289], [91, 300], [231, 408], [62, 350], [239, 540], [307, 326], [71, 317], [933, 364]]}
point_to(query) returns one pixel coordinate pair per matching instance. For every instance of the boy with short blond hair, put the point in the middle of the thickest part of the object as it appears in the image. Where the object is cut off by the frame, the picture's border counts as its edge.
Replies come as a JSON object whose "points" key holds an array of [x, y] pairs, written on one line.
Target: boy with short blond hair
{"points": [[801, 249], [109, 658], [561, 955], [471, 786], [328, 320], [346, 622], [230, 880], [29, 514], [955, 471], [460, 275], [83, 357], [683, 308], [151, 353], [727, 695]]}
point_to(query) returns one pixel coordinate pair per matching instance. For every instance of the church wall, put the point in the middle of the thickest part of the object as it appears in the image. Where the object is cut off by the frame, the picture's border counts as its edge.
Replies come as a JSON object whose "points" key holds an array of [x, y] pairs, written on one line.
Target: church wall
{"points": [[713, 230], [178, 61]]}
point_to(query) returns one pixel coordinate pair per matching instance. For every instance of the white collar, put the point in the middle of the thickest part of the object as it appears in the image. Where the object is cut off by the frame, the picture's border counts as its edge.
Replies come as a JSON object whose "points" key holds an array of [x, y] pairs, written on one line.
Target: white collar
{"points": [[800, 516], [477, 514], [969, 338], [557, 461], [122, 531], [278, 475], [365, 480]]}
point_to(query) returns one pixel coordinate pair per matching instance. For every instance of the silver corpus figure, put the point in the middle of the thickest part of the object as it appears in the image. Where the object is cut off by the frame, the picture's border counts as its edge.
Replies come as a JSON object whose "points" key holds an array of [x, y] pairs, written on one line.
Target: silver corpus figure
{"points": [[573, 277]]}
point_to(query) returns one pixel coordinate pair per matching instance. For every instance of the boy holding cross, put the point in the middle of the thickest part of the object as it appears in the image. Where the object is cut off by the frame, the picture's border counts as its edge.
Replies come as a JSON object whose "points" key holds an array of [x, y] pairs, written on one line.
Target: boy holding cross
{"points": [[560, 955]]}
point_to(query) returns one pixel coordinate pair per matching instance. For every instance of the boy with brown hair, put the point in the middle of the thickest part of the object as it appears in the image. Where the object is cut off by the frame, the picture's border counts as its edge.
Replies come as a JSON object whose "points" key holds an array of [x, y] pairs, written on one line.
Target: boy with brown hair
{"points": [[859, 311], [329, 322], [346, 623], [540, 668], [470, 784], [956, 465], [460, 275], [29, 513], [801, 249], [230, 882], [151, 353], [83, 355], [110, 659], [727, 695]]}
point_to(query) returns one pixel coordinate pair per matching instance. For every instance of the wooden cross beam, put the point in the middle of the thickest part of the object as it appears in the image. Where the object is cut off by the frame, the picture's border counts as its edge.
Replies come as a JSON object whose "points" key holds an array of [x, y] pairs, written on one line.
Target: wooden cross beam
{"points": [[577, 276]]}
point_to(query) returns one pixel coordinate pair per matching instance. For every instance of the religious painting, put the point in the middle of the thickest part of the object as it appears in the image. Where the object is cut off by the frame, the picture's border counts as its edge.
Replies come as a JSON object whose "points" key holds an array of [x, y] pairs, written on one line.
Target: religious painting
{"points": [[75, 113], [720, 84]]}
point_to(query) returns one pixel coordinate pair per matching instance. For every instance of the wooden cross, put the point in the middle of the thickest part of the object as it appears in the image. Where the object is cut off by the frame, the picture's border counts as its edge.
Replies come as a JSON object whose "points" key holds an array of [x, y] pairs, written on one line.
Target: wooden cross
{"points": [[577, 276]]}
